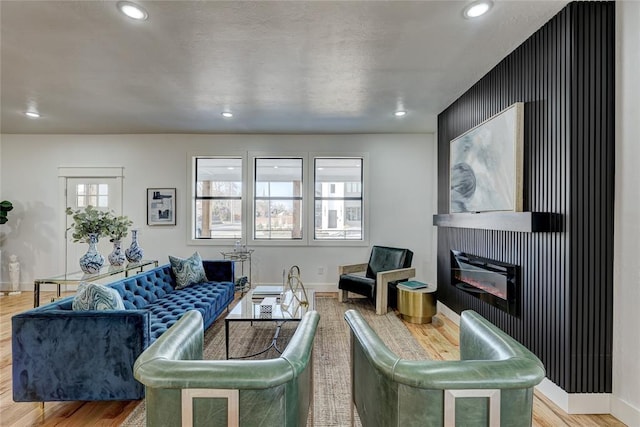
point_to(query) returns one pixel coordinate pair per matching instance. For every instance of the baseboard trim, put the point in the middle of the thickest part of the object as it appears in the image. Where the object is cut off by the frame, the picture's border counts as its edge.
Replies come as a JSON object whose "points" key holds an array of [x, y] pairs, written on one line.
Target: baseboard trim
{"points": [[625, 412], [450, 314], [576, 403]]}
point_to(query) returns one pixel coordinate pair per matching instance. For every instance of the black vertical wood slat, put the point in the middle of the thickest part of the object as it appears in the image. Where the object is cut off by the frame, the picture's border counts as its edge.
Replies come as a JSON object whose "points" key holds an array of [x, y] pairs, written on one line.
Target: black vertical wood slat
{"points": [[564, 74]]}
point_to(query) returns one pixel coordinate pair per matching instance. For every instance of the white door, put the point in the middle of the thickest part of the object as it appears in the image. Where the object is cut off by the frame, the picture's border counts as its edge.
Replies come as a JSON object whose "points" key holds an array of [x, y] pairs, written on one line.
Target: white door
{"points": [[104, 193]]}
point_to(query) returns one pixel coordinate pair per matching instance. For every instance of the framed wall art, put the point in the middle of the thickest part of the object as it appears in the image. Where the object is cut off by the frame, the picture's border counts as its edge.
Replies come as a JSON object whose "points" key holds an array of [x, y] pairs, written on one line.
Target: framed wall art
{"points": [[161, 206], [486, 165]]}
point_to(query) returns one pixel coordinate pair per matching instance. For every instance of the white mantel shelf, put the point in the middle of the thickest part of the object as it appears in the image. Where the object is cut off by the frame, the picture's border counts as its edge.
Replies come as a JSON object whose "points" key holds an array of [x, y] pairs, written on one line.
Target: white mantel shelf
{"points": [[526, 222]]}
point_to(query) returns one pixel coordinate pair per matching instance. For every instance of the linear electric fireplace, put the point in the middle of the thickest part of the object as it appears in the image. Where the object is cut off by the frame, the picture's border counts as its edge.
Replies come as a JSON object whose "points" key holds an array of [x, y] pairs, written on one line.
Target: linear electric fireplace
{"points": [[494, 282]]}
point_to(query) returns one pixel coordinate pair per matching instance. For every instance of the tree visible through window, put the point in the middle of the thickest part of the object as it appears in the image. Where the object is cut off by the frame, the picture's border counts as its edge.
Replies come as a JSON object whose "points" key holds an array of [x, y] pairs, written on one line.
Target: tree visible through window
{"points": [[218, 204], [278, 198]]}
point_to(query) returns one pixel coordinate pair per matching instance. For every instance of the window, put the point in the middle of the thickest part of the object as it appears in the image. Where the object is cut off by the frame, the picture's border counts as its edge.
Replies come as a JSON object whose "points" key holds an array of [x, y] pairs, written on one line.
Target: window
{"points": [[218, 198], [264, 198], [278, 198], [338, 198], [96, 195]]}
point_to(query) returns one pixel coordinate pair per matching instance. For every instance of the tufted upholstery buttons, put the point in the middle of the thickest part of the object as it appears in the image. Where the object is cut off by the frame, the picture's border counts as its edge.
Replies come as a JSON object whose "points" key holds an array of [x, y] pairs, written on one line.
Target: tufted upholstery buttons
{"points": [[155, 292]]}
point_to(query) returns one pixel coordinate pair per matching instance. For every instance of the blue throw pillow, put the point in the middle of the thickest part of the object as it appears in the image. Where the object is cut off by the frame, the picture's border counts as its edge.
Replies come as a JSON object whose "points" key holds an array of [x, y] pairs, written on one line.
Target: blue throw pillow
{"points": [[188, 271], [93, 296]]}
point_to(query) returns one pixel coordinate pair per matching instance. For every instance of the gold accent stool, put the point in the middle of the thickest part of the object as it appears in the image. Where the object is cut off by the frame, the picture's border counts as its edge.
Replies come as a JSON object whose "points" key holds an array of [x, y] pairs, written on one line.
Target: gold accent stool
{"points": [[416, 305]]}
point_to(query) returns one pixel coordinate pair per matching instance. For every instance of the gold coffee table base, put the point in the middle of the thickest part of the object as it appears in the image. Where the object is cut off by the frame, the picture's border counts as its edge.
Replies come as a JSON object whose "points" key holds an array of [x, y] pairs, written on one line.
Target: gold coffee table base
{"points": [[417, 306]]}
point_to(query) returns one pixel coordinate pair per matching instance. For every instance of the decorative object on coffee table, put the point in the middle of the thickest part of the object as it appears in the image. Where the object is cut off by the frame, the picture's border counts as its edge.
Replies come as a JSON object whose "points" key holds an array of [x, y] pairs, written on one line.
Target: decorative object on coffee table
{"points": [[134, 252], [295, 285]]}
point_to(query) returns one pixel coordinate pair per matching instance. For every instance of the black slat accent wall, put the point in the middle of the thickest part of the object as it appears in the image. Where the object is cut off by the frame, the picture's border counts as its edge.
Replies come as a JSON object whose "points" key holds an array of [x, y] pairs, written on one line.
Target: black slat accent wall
{"points": [[564, 74]]}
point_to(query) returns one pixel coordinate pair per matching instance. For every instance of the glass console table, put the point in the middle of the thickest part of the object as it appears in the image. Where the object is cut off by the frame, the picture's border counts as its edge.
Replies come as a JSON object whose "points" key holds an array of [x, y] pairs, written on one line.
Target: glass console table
{"points": [[76, 277]]}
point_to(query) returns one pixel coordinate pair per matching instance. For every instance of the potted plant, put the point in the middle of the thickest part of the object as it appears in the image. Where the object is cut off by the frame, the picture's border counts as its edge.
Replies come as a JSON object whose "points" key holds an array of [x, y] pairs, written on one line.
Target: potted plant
{"points": [[118, 230], [89, 221], [5, 206], [89, 224]]}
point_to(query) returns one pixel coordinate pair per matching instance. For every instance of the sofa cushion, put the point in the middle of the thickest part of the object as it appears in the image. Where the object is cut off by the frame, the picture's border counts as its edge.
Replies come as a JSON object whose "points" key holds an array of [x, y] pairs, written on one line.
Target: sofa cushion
{"points": [[208, 298], [358, 284], [145, 288], [93, 296], [188, 271]]}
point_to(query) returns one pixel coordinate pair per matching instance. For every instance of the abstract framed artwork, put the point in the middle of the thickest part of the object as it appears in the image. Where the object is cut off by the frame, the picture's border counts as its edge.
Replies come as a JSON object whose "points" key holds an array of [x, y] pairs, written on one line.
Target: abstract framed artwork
{"points": [[161, 206], [486, 165]]}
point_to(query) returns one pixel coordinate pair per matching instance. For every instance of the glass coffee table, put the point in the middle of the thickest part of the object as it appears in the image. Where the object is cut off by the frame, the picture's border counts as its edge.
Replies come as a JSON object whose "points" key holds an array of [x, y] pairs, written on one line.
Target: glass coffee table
{"points": [[288, 307]]}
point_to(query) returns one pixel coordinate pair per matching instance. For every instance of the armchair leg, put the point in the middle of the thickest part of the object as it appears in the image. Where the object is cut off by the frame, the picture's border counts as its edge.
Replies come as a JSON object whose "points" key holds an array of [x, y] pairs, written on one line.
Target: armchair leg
{"points": [[342, 295], [381, 299]]}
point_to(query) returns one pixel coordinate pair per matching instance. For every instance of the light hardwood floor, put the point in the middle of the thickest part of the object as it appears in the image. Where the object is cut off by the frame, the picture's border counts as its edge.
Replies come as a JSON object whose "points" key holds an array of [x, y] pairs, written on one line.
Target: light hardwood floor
{"points": [[440, 339]]}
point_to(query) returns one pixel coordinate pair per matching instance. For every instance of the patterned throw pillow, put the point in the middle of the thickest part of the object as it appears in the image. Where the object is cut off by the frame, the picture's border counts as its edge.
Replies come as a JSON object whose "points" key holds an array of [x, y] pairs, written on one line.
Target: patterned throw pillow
{"points": [[93, 296], [188, 270]]}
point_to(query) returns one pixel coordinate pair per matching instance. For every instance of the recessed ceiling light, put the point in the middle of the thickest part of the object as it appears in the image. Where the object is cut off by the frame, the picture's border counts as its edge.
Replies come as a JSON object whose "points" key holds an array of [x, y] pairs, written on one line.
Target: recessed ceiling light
{"points": [[400, 113], [32, 114], [227, 114], [132, 10], [477, 8]]}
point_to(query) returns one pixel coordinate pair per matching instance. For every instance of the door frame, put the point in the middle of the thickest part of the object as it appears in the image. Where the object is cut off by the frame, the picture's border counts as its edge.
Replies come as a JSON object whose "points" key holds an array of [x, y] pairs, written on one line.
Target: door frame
{"points": [[66, 172]]}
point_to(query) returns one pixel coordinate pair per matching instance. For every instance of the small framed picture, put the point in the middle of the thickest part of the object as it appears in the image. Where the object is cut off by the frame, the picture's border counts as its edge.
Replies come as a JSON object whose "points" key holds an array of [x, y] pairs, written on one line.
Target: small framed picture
{"points": [[161, 206]]}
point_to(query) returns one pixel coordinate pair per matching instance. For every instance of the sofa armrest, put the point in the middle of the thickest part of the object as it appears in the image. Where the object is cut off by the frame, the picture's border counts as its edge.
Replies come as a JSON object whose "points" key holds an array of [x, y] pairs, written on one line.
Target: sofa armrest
{"points": [[77, 355], [382, 283], [351, 268]]}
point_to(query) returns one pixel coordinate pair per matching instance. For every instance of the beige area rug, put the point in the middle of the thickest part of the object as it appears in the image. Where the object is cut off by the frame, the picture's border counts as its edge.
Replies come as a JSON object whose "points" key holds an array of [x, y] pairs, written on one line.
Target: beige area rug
{"points": [[331, 353]]}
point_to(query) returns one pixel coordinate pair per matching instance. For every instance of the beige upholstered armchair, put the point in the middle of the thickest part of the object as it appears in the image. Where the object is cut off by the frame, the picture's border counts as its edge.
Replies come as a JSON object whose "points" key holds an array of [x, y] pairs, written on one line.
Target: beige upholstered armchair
{"points": [[386, 266], [492, 384]]}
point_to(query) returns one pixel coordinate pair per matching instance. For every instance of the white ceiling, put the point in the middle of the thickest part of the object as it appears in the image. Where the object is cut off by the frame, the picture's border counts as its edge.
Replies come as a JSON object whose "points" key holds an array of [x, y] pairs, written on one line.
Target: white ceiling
{"points": [[279, 66]]}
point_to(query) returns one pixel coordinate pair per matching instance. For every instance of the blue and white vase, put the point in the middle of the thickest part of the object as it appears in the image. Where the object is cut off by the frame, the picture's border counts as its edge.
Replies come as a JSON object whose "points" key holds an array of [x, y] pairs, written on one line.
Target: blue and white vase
{"points": [[134, 252], [117, 257], [92, 261]]}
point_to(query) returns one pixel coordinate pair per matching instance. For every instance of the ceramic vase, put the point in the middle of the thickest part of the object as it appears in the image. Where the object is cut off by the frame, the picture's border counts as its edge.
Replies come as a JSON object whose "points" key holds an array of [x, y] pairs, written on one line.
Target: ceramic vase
{"points": [[117, 257], [92, 261], [134, 252]]}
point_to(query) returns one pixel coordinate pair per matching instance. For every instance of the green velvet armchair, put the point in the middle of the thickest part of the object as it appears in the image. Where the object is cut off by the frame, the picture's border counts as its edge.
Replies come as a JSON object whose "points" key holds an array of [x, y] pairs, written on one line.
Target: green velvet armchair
{"points": [[492, 384], [182, 389]]}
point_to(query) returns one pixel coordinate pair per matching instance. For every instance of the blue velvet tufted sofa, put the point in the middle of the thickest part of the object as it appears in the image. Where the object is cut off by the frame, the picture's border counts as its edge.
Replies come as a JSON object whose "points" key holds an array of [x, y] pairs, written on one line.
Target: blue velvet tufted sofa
{"points": [[60, 354]]}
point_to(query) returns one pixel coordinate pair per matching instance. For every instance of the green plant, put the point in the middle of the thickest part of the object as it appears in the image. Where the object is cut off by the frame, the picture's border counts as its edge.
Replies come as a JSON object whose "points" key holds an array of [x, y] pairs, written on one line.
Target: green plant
{"points": [[88, 221], [119, 227], [5, 206]]}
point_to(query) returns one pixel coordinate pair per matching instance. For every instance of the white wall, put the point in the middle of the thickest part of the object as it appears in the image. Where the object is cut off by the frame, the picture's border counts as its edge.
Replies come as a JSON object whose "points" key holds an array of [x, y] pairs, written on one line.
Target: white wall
{"points": [[402, 196], [625, 404]]}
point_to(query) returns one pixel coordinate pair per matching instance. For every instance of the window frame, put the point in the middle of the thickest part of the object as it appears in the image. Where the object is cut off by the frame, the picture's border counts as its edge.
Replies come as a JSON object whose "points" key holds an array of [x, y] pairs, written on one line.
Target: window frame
{"points": [[252, 157], [192, 185], [364, 241]]}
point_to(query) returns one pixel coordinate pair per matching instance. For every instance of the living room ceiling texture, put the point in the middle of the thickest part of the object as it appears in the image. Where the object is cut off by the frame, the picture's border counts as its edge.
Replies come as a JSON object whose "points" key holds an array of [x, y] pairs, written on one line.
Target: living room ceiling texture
{"points": [[278, 66]]}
